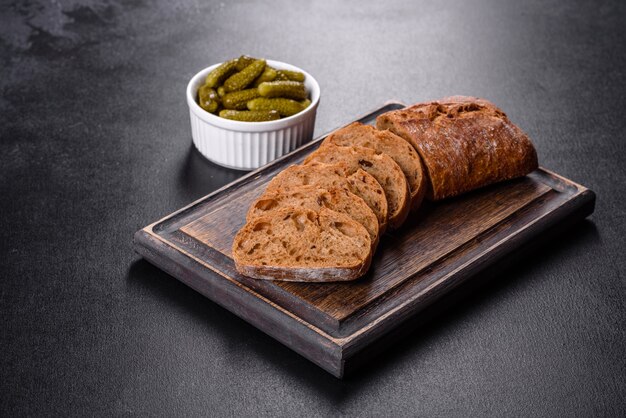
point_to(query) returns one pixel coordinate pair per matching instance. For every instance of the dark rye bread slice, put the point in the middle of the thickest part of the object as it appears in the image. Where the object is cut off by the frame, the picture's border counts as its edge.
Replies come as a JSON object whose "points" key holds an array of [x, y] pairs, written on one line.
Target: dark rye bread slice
{"points": [[295, 244], [380, 166], [386, 142], [465, 143], [315, 198], [335, 175]]}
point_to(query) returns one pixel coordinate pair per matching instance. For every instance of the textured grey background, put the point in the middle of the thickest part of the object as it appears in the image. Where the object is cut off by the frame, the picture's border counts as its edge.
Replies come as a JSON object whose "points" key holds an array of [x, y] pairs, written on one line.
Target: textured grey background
{"points": [[95, 144]]}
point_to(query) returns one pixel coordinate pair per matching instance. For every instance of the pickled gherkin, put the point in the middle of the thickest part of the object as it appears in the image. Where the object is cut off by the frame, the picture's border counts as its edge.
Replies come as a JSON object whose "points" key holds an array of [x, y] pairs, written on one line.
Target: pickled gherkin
{"points": [[250, 115], [243, 61], [269, 74], [286, 107], [248, 89], [208, 99], [287, 89], [237, 100], [221, 73], [245, 77], [291, 75]]}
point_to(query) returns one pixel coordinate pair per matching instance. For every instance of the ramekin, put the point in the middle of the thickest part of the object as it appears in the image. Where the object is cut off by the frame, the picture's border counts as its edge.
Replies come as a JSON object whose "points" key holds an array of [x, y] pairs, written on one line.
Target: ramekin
{"points": [[249, 145]]}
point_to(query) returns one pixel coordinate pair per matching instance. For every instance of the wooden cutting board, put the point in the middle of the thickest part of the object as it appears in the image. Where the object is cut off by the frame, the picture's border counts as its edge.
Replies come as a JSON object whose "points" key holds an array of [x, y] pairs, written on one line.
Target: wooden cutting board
{"points": [[338, 325]]}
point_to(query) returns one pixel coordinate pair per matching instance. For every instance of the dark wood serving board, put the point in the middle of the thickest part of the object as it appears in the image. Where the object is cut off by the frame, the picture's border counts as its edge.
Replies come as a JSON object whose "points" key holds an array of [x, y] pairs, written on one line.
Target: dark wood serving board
{"points": [[336, 324]]}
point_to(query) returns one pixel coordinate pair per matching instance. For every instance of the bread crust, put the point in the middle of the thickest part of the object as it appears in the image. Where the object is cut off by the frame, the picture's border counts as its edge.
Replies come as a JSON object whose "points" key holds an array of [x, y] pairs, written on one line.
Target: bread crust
{"points": [[386, 142], [465, 143], [308, 274]]}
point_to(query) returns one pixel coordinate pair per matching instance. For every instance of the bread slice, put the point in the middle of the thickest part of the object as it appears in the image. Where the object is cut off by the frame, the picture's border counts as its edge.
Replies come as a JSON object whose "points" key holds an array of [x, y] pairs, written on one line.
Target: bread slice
{"points": [[315, 198], [296, 244], [380, 166], [386, 142], [465, 143], [335, 175]]}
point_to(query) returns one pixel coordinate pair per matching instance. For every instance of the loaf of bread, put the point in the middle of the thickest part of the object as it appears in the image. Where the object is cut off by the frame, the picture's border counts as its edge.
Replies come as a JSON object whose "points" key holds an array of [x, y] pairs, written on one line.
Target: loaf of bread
{"points": [[296, 244], [315, 198], [380, 166], [321, 221], [465, 143], [329, 176], [386, 142]]}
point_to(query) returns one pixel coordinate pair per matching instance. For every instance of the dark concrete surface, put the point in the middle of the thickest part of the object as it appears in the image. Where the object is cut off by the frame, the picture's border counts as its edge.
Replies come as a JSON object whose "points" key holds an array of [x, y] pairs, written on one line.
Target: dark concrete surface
{"points": [[95, 144]]}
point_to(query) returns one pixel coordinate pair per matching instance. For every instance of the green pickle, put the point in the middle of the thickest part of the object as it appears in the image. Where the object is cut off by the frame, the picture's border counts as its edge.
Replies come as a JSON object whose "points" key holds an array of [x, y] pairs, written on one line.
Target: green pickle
{"points": [[291, 75], [221, 73], [245, 77], [238, 100], [269, 74], [287, 89], [247, 89], [243, 61], [286, 107], [250, 115], [208, 99]]}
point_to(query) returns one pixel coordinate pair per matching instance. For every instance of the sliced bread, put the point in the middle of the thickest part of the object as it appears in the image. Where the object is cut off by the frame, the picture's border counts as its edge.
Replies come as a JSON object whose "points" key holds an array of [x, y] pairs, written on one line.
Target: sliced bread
{"points": [[328, 176], [296, 244], [386, 142], [380, 166], [315, 198]]}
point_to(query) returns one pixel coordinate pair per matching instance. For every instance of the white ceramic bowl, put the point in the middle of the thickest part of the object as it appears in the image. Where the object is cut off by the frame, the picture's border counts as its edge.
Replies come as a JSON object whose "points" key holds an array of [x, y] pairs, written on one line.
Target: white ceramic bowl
{"points": [[249, 145]]}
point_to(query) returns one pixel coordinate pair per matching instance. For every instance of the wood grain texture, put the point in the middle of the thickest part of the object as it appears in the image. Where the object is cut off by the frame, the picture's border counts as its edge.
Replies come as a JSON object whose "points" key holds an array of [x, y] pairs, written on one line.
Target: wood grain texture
{"points": [[440, 247]]}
